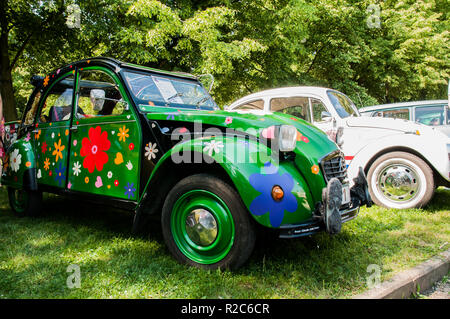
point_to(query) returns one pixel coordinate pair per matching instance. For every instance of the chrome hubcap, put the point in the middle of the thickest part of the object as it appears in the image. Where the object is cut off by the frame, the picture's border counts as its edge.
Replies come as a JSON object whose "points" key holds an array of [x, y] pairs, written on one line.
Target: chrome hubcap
{"points": [[201, 227], [399, 182]]}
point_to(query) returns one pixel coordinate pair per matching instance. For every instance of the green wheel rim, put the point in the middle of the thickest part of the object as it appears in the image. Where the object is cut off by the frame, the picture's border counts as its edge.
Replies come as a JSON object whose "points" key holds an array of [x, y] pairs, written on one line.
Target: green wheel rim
{"points": [[19, 199], [205, 201]]}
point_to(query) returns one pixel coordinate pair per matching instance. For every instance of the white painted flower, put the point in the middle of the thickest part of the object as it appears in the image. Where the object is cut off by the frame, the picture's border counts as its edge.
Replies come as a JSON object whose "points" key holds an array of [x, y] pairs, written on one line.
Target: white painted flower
{"points": [[53, 135], [110, 174], [212, 146], [15, 160], [39, 173], [150, 151], [76, 168]]}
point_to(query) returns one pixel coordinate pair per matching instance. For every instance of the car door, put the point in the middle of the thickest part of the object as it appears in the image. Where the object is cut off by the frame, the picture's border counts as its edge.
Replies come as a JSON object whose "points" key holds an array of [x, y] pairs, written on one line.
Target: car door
{"points": [[105, 137], [52, 134]]}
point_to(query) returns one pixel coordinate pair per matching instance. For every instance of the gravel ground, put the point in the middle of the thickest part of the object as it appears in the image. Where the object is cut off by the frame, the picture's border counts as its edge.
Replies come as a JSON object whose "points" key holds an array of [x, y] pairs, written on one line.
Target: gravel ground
{"points": [[440, 290]]}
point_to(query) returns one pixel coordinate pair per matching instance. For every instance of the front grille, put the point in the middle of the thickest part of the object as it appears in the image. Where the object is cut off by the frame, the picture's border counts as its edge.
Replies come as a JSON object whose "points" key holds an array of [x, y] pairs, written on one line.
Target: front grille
{"points": [[334, 165]]}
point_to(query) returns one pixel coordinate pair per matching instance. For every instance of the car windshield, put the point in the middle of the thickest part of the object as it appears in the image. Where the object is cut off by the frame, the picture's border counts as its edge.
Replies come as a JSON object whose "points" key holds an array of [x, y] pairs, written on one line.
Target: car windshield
{"points": [[342, 104], [160, 90]]}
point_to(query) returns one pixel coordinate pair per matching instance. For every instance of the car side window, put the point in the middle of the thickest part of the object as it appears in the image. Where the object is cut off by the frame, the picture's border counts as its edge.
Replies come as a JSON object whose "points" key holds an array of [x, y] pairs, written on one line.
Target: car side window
{"points": [[57, 105], [317, 109], [430, 115], [253, 105], [397, 114], [98, 95], [296, 106]]}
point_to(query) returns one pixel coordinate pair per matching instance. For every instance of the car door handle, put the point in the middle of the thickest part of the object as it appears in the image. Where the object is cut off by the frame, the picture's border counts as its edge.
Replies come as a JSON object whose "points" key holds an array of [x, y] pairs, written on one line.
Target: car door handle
{"points": [[74, 128]]}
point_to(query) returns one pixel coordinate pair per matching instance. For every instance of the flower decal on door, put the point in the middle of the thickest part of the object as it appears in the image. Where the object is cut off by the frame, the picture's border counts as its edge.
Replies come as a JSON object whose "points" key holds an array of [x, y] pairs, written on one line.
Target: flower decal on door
{"points": [[58, 150], [94, 149], [15, 160], [150, 151], [265, 203]]}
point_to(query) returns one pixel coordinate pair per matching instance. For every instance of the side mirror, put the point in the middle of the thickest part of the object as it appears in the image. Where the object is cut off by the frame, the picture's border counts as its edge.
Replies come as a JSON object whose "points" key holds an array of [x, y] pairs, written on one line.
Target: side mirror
{"points": [[326, 116], [211, 79]]}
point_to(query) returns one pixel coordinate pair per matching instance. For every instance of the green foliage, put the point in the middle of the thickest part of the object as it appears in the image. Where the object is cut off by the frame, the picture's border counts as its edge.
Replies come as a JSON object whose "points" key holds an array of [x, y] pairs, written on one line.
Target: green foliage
{"points": [[248, 45]]}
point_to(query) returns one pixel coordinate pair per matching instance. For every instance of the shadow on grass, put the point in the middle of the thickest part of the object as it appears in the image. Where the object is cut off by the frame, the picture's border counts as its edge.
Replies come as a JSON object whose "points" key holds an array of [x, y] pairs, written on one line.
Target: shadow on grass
{"points": [[116, 264]]}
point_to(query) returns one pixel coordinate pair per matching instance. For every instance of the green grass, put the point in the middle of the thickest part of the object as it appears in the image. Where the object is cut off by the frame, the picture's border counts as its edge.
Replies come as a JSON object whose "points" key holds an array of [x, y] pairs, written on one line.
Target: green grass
{"points": [[35, 254]]}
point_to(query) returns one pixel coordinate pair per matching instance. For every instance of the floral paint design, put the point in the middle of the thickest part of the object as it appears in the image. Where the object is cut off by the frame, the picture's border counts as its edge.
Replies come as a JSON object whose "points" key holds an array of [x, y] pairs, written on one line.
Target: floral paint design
{"points": [[15, 160], [60, 177], [123, 134], [46, 164], [58, 150], [93, 149], [129, 190], [44, 147], [76, 168], [46, 79], [150, 151], [228, 120], [213, 147], [264, 203], [315, 169]]}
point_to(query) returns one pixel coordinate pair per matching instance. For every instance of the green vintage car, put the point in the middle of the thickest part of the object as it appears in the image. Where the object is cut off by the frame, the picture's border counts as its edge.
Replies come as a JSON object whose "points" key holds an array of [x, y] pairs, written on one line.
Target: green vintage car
{"points": [[155, 142]]}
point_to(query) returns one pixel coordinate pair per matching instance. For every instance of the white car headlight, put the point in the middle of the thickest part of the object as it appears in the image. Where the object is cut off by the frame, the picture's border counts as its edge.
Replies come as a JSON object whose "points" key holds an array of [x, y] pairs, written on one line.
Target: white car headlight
{"points": [[287, 138]]}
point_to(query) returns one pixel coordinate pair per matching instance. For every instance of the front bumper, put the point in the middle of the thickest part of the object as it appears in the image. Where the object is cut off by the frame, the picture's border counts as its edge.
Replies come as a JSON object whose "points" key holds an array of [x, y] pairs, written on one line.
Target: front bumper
{"points": [[330, 214], [314, 226]]}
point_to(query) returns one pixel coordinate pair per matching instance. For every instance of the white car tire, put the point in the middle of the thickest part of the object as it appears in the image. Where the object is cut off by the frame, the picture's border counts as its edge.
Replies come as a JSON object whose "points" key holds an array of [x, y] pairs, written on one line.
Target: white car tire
{"points": [[400, 180]]}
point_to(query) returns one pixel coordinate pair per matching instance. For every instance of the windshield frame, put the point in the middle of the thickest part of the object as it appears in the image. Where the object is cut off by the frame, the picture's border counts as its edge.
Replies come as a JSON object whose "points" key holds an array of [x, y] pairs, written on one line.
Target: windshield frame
{"points": [[207, 97], [342, 108]]}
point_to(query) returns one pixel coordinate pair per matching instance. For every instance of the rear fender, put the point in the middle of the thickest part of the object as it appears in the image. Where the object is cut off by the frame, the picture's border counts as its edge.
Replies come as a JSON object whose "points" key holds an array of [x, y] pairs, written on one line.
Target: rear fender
{"points": [[19, 170]]}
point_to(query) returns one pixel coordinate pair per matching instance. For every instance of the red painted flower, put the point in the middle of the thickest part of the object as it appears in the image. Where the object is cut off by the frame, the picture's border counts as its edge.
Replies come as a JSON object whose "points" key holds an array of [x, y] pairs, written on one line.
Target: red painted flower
{"points": [[116, 183], [94, 149], [44, 147], [131, 146]]}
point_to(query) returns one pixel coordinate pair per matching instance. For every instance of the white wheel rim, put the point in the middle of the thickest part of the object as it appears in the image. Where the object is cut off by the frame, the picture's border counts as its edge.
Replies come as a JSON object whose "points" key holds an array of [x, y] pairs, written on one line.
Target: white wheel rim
{"points": [[398, 183]]}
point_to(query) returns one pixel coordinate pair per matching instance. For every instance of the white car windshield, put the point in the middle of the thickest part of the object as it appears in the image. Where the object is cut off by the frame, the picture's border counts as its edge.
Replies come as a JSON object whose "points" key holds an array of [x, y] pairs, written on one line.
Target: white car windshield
{"points": [[342, 104]]}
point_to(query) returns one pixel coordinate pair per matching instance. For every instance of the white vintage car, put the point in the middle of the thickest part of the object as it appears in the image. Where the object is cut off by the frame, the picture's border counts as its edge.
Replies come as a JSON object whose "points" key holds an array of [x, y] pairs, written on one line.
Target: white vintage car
{"points": [[404, 161]]}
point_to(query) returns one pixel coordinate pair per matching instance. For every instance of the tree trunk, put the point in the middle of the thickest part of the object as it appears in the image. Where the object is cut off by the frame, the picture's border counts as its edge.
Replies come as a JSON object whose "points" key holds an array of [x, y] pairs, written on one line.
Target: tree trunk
{"points": [[6, 86]]}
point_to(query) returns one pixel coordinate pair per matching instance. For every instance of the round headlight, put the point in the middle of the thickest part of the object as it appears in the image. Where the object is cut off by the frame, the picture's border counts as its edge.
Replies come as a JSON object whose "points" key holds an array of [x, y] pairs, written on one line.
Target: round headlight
{"points": [[287, 138]]}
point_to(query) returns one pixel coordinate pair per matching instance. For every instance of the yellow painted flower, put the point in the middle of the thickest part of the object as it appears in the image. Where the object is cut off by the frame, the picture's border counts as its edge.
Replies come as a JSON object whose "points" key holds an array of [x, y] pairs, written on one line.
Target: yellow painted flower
{"points": [[37, 135], [58, 150], [86, 179], [47, 164], [46, 79], [123, 133], [315, 169]]}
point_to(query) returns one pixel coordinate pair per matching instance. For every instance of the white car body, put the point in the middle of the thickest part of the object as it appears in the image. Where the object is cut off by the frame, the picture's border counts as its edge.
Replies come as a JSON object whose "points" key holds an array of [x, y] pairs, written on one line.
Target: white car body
{"points": [[365, 138]]}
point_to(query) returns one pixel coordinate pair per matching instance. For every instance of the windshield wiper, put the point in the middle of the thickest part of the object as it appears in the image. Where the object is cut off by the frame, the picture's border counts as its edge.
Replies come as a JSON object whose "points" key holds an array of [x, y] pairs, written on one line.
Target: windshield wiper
{"points": [[202, 100], [179, 94]]}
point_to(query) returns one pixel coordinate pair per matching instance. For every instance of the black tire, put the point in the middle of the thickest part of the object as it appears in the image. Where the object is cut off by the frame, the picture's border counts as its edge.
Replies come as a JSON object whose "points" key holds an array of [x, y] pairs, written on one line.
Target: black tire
{"points": [[25, 202], [417, 178], [238, 250]]}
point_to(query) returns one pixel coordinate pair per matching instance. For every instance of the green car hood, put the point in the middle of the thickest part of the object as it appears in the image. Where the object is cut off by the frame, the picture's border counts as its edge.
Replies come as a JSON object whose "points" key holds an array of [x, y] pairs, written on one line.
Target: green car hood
{"points": [[312, 143]]}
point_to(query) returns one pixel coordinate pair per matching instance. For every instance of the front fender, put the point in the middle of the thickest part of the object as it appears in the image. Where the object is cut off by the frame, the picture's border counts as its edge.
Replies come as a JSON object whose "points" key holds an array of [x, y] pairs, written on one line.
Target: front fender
{"points": [[253, 172], [432, 149], [19, 170]]}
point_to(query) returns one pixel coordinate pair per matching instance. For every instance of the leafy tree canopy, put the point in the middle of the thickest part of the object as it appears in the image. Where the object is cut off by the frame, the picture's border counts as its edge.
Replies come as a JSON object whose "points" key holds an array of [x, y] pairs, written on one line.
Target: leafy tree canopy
{"points": [[374, 51]]}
